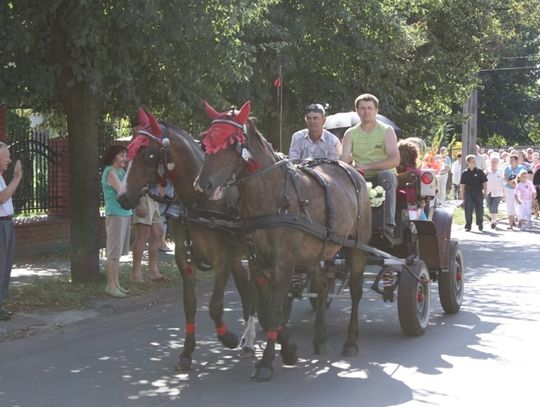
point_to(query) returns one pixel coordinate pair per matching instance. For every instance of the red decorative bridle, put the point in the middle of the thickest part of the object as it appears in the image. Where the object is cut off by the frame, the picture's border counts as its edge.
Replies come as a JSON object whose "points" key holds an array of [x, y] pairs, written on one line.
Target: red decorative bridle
{"points": [[229, 128], [152, 130]]}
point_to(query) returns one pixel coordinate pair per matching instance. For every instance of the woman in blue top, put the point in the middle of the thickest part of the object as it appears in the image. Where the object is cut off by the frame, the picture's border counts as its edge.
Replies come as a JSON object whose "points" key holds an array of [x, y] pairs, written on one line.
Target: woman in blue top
{"points": [[117, 219]]}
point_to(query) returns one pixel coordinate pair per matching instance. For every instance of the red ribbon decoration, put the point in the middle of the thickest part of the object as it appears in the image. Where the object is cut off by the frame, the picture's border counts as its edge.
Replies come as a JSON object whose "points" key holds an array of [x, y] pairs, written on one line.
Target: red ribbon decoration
{"points": [[222, 330]]}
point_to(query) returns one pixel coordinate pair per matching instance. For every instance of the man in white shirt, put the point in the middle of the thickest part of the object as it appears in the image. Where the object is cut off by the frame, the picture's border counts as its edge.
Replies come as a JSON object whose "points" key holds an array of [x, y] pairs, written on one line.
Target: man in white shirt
{"points": [[7, 231], [314, 141], [456, 175]]}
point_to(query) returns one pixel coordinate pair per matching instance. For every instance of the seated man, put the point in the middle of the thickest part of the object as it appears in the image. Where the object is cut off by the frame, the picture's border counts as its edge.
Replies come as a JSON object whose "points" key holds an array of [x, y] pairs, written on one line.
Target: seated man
{"points": [[314, 142], [371, 147]]}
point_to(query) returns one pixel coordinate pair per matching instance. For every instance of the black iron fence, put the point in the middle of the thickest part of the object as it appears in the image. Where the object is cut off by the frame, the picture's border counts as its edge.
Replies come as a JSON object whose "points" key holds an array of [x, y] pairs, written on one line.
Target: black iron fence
{"points": [[36, 194]]}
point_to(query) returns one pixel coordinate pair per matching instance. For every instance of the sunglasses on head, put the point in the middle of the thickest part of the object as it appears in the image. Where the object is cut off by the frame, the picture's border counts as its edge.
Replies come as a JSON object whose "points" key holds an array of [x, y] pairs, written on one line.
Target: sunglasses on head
{"points": [[315, 109]]}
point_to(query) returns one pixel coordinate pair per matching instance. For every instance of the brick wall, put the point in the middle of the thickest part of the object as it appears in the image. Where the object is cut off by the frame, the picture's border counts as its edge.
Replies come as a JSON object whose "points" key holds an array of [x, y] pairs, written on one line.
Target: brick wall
{"points": [[3, 123], [44, 235]]}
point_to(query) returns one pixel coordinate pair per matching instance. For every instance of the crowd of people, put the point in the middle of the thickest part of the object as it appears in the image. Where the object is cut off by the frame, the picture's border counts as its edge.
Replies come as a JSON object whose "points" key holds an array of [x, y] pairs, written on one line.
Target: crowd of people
{"points": [[507, 175]]}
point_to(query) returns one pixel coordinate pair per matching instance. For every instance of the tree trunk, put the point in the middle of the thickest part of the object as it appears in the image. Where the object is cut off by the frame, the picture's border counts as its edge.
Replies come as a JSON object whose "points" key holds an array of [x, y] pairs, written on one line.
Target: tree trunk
{"points": [[82, 108]]}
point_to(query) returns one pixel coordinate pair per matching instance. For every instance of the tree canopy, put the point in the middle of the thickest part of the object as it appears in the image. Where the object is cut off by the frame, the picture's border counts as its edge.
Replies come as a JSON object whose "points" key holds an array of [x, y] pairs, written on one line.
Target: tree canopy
{"points": [[85, 59]]}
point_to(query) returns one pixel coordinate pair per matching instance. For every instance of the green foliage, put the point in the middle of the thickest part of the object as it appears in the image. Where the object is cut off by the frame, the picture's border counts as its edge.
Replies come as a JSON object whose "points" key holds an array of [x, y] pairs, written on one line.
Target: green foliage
{"points": [[496, 140], [18, 123]]}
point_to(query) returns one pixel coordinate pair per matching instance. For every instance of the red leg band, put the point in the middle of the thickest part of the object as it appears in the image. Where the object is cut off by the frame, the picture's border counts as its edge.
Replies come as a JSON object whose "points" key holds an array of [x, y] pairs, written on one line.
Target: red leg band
{"points": [[222, 330], [190, 328], [272, 335], [261, 281], [188, 270]]}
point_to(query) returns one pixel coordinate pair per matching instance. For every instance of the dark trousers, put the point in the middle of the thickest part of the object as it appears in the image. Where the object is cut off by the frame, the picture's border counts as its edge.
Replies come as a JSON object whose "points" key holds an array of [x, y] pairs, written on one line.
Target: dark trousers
{"points": [[7, 250], [474, 201]]}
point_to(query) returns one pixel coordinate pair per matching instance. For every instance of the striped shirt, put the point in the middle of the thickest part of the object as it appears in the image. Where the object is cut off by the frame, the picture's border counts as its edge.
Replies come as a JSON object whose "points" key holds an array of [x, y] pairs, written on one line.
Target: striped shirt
{"points": [[303, 147]]}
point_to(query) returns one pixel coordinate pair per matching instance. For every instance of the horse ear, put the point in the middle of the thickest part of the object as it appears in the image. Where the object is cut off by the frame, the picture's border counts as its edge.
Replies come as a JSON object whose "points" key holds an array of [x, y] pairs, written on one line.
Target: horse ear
{"points": [[210, 111], [154, 125], [243, 114], [143, 118]]}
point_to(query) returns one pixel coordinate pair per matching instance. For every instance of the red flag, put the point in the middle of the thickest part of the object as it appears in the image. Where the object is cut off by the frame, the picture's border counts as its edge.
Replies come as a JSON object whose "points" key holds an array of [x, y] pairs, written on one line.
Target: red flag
{"points": [[277, 82]]}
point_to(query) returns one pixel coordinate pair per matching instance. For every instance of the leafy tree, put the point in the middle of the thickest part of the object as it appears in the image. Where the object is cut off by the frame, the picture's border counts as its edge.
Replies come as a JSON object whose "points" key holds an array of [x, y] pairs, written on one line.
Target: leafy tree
{"points": [[84, 58], [508, 99]]}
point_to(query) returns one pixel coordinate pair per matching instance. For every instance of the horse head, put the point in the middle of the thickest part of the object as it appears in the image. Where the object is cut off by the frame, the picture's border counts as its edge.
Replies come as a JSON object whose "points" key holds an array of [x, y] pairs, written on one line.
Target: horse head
{"points": [[228, 151], [145, 152]]}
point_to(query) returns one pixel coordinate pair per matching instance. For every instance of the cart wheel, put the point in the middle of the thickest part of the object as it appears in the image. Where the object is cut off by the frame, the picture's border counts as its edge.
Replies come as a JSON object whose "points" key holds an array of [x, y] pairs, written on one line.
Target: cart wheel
{"points": [[414, 299], [451, 283], [314, 290]]}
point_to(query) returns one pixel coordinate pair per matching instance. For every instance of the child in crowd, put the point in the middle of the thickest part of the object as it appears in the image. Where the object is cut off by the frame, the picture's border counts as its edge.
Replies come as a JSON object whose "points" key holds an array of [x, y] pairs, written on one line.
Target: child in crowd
{"points": [[525, 194]]}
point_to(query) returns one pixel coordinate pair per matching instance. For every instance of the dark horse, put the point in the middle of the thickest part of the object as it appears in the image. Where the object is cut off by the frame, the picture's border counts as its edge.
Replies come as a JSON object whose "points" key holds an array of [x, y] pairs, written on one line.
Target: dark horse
{"points": [[236, 153], [154, 144]]}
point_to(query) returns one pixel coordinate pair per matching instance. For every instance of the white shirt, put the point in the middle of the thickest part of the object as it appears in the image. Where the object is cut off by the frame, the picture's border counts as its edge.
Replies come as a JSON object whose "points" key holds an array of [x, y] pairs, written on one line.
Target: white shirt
{"points": [[6, 209], [456, 172], [302, 147], [495, 183]]}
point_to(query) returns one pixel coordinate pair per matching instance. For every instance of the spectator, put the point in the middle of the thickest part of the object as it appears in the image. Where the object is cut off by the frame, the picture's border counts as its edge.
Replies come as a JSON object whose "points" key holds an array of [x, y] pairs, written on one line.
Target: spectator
{"points": [[495, 189], [525, 195], [522, 160], [446, 164], [536, 183], [7, 231], [473, 189], [529, 157], [314, 141], [148, 231], [117, 219], [510, 174], [456, 175], [480, 159]]}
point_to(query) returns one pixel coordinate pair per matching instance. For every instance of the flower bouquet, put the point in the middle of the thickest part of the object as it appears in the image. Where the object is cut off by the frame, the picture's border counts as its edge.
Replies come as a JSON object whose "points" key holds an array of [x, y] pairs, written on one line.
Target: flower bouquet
{"points": [[376, 194]]}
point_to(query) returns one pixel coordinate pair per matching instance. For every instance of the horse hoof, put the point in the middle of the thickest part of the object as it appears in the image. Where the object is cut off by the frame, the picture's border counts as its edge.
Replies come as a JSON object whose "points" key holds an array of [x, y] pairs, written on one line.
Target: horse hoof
{"points": [[184, 364], [230, 340], [289, 355], [319, 348], [262, 373], [247, 353], [349, 351]]}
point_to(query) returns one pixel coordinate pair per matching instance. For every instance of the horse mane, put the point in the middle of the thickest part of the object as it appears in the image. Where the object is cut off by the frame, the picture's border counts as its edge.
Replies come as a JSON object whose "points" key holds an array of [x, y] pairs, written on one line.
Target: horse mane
{"points": [[263, 143], [187, 137]]}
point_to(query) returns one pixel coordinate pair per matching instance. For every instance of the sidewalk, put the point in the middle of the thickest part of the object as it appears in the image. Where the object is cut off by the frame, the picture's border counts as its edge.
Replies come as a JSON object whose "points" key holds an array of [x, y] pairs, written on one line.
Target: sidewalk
{"points": [[28, 323]]}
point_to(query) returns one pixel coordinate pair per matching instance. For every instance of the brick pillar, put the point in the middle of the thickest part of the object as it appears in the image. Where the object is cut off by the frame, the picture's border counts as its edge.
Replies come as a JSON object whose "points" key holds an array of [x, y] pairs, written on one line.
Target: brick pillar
{"points": [[3, 124], [59, 179]]}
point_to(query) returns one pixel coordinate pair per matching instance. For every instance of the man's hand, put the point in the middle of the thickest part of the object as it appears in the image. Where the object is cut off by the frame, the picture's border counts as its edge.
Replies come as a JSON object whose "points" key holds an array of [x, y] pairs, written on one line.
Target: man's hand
{"points": [[17, 170], [361, 167]]}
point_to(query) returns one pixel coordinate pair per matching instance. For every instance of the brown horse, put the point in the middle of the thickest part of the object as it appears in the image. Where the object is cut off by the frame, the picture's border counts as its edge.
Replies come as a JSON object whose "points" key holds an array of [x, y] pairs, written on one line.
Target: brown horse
{"points": [[236, 153], [153, 144]]}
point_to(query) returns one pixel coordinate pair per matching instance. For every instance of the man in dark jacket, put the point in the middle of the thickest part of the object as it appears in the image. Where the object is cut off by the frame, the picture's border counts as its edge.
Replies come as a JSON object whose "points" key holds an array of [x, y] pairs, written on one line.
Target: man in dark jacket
{"points": [[473, 189]]}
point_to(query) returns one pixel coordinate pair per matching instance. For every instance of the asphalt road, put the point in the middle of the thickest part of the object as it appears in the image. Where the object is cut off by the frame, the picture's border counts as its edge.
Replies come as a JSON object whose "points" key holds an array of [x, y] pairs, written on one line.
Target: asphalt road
{"points": [[485, 355]]}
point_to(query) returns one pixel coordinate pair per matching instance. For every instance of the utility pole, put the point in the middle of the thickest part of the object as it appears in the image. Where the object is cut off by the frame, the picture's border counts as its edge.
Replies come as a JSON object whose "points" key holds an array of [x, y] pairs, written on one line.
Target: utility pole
{"points": [[468, 139]]}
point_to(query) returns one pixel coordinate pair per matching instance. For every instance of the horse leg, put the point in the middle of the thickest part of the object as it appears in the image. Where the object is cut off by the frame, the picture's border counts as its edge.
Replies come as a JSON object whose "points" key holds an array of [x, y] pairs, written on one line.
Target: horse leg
{"points": [[319, 340], [221, 277], [358, 264], [190, 307], [279, 288], [245, 287]]}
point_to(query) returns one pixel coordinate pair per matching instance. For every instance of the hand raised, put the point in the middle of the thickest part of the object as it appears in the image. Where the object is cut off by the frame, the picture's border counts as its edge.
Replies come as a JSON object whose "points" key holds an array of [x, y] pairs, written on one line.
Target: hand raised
{"points": [[17, 170]]}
